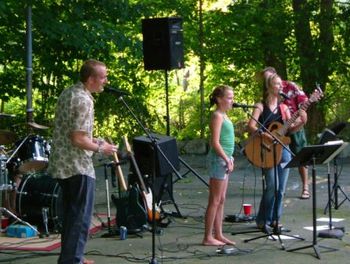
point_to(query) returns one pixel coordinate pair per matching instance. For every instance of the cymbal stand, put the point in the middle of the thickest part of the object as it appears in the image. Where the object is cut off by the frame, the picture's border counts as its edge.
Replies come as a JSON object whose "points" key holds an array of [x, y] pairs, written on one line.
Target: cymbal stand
{"points": [[18, 147]]}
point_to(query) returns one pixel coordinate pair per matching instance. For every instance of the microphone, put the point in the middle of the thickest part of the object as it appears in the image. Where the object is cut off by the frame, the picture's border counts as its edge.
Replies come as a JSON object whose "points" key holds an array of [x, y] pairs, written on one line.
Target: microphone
{"points": [[118, 92], [285, 97], [237, 105]]}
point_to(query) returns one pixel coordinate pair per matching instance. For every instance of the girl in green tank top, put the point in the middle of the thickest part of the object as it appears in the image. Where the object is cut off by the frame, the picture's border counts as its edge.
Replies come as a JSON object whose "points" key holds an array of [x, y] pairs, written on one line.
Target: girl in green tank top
{"points": [[220, 165]]}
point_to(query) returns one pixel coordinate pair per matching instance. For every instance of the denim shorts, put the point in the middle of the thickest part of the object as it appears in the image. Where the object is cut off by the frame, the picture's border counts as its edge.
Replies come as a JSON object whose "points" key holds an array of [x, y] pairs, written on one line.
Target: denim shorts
{"points": [[217, 168]]}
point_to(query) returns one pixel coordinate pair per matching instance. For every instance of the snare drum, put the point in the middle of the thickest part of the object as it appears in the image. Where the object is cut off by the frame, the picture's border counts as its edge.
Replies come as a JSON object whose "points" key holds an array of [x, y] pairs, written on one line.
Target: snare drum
{"points": [[33, 155], [38, 192]]}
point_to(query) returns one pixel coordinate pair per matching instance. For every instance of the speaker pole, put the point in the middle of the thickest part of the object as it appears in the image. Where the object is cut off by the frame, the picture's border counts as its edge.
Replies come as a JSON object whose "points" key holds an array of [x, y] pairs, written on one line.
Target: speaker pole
{"points": [[167, 103]]}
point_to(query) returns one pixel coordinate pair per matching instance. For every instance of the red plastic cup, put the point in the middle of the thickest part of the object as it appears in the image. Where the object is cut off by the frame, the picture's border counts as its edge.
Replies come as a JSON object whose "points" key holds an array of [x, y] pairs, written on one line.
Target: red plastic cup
{"points": [[247, 208], [4, 222]]}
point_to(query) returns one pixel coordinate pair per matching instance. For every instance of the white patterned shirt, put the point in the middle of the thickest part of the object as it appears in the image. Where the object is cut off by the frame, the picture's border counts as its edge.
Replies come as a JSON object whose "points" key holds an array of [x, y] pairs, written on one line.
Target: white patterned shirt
{"points": [[74, 112]]}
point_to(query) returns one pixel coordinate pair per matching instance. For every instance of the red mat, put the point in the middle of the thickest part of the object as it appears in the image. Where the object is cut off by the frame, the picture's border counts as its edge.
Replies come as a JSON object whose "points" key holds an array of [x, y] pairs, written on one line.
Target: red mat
{"points": [[49, 243]]}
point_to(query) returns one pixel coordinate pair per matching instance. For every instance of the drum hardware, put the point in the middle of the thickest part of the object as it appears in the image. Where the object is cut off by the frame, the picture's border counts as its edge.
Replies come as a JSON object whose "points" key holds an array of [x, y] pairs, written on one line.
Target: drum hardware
{"points": [[32, 153], [35, 125], [39, 201], [6, 115], [3, 211], [44, 212], [4, 182]]}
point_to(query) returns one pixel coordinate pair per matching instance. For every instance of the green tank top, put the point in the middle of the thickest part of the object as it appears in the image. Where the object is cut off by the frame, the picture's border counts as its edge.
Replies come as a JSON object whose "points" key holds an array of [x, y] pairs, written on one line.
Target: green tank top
{"points": [[227, 137]]}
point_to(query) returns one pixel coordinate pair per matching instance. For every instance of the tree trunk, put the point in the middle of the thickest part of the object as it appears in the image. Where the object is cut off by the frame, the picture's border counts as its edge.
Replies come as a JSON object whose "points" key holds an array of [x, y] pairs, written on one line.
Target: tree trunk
{"points": [[314, 59]]}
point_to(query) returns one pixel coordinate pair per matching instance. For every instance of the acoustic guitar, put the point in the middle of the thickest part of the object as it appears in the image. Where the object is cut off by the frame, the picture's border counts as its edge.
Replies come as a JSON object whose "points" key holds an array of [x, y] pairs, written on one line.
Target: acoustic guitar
{"points": [[260, 149], [146, 193]]}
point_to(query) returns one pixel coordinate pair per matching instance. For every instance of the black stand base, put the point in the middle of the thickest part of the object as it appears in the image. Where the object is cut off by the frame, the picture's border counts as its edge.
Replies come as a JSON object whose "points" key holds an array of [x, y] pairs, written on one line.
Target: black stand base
{"points": [[315, 247], [271, 232], [115, 233]]}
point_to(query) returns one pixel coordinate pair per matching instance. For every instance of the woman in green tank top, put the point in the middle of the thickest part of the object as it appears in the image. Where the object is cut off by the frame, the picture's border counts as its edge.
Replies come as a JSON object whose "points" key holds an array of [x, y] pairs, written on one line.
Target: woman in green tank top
{"points": [[220, 165]]}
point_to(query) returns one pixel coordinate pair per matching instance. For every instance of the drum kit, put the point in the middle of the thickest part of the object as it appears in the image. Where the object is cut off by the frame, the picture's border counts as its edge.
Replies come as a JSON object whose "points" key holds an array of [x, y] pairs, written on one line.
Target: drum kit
{"points": [[28, 192]]}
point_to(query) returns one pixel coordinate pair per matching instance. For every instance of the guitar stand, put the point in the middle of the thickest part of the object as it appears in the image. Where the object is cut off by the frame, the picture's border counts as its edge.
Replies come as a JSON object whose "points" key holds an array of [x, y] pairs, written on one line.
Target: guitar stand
{"points": [[317, 154], [115, 232], [111, 233]]}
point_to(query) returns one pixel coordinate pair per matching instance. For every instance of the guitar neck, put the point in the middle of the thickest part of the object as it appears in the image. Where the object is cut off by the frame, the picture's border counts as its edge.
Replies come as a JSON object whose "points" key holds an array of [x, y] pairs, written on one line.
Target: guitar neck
{"points": [[118, 171], [314, 97], [304, 106], [134, 163]]}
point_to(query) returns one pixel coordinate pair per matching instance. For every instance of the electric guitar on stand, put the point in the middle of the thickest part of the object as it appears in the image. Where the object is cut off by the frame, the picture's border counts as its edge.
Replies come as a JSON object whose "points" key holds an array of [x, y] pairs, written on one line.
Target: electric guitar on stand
{"points": [[145, 192], [259, 148], [130, 212]]}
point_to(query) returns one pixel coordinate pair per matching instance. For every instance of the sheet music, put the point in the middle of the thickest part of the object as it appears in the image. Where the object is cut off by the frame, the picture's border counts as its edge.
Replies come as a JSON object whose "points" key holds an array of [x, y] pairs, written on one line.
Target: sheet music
{"points": [[334, 142], [342, 145]]}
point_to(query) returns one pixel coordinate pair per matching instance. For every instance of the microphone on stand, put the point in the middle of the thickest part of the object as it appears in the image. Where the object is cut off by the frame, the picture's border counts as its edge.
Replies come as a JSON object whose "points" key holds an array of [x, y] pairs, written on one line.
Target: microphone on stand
{"points": [[283, 95], [115, 91], [237, 105]]}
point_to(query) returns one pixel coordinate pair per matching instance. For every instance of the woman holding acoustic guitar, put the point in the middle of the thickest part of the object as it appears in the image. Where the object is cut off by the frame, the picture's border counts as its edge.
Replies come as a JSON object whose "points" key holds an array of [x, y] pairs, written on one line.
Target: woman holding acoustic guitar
{"points": [[220, 164], [271, 114]]}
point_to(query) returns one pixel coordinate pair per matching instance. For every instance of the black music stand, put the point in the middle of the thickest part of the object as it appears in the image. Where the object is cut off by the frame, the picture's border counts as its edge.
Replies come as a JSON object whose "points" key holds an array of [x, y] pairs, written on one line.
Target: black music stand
{"points": [[332, 232], [312, 155]]}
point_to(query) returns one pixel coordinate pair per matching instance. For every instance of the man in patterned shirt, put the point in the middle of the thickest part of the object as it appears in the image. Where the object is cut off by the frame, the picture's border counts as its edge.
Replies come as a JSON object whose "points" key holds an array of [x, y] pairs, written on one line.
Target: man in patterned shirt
{"points": [[296, 96], [71, 158]]}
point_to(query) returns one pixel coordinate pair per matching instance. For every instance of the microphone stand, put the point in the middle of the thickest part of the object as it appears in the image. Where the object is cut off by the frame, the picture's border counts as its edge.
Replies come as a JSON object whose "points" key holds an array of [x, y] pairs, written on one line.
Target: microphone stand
{"points": [[275, 141], [156, 149]]}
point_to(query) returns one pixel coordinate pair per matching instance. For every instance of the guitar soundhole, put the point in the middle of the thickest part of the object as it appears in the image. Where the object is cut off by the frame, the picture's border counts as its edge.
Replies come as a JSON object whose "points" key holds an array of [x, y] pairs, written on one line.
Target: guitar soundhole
{"points": [[273, 127]]}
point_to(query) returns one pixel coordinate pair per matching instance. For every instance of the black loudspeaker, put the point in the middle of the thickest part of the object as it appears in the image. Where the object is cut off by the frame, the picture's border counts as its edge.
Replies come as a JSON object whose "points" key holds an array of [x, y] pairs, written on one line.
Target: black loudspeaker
{"points": [[162, 189], [147, 159], [162, 43]]}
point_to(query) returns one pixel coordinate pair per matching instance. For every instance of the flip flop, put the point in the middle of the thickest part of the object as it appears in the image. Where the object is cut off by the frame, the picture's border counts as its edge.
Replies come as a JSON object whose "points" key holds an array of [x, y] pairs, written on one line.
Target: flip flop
{"points": [[305, 194]]}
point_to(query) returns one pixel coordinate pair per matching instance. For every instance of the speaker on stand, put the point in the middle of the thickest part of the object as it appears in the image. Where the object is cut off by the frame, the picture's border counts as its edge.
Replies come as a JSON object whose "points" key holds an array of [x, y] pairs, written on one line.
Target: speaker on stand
{"points": [[163, 49], [144, 155]]}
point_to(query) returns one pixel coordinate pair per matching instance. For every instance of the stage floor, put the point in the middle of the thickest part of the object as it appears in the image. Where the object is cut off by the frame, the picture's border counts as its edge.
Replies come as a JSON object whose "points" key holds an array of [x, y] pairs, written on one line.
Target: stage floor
{"points": [[180, 241]]}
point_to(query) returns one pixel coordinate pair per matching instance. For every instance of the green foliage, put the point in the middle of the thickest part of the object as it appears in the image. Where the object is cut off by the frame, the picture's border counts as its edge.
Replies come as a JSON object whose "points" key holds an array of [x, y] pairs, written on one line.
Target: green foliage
{"points": [[237, 42]]}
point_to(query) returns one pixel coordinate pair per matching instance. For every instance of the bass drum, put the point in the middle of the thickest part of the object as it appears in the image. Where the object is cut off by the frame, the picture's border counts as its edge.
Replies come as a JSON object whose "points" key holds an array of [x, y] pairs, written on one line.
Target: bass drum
{"points": [[39, 200]]}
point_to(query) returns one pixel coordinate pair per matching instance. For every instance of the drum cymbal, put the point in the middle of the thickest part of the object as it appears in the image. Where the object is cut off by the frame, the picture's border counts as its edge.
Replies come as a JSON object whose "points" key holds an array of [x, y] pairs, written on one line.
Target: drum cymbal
{"points": [[6, 115], [7, 137], [35, 125]]}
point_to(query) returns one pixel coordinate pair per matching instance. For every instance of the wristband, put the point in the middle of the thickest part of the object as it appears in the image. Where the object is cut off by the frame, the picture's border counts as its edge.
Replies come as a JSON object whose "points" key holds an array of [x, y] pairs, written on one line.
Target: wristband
{"points": [[99, 143]]}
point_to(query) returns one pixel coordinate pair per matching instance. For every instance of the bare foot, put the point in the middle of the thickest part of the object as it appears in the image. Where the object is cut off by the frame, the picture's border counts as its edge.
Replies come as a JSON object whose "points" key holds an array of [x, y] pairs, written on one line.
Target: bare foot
{"points": [[212, 242], [226, 241]]}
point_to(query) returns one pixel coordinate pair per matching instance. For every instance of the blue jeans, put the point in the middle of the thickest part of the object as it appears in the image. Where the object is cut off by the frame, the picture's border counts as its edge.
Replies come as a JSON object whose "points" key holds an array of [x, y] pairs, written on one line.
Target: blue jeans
{"points": [[78, 194], [267, 213]]}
